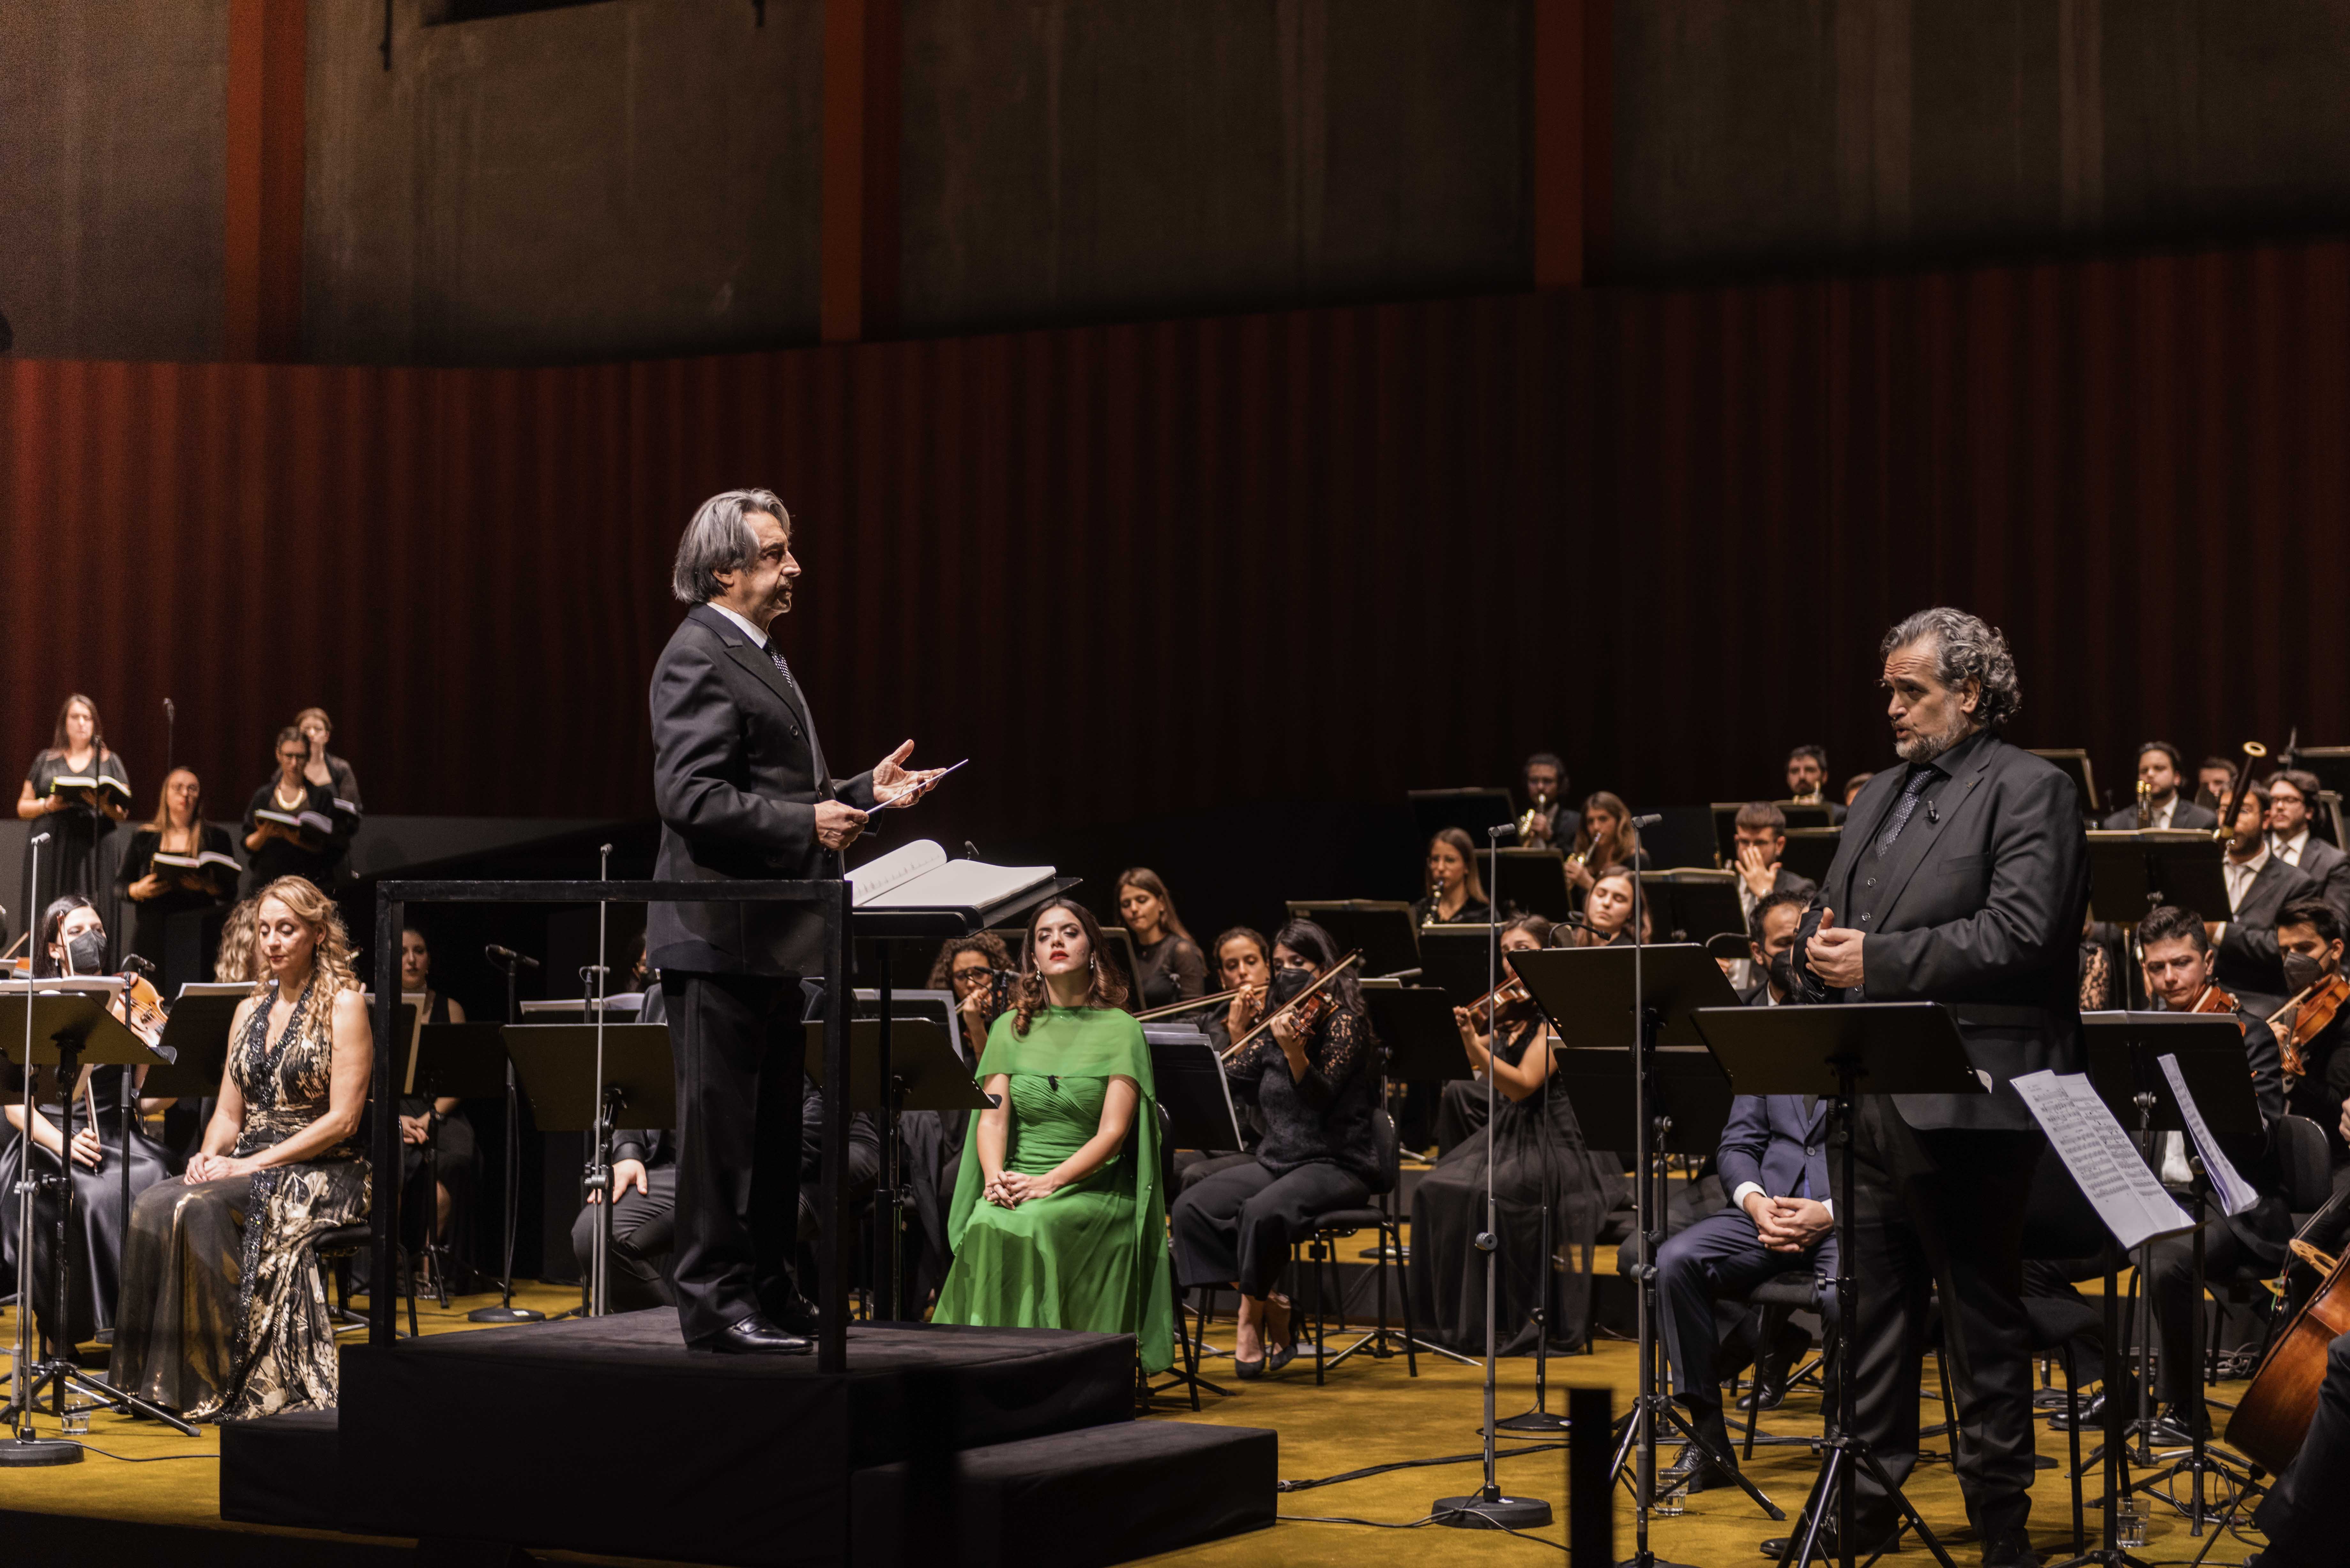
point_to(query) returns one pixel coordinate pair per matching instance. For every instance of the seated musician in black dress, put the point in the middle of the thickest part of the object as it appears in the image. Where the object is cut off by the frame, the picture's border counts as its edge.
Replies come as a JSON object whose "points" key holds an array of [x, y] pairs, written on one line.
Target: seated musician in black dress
{"points": [[1173, 967], [435, 1132], [71, 941], [1318, 1090], [294, 828], [176, 864], [1463, 1109], [1244, 967], [1453, 891], [1774, 1168]]}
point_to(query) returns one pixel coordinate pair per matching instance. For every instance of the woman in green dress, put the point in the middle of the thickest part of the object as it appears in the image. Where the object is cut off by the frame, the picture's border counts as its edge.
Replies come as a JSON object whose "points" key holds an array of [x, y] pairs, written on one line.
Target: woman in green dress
{"points": [[1060, 1217]]}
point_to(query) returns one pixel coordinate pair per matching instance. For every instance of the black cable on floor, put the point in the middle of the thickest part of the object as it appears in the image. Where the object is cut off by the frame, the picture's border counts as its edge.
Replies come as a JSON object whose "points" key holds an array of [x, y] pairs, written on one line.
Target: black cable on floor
{"points": [[131, 1459], [1416, 1524], [1414, 1464]]}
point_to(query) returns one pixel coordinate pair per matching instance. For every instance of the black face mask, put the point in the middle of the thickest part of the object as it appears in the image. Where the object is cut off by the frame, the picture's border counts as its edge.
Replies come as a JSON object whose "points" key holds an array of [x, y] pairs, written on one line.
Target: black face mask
{"points": [[1782, 969], [86, 954], [1288, 982], [2301, 973]]}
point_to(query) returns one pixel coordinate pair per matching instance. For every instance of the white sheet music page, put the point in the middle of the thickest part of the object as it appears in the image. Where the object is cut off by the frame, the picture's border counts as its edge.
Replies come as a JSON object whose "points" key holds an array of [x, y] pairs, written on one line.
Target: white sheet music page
{"points": [[2101, 1157], [2236, 1194], [919, 876]]}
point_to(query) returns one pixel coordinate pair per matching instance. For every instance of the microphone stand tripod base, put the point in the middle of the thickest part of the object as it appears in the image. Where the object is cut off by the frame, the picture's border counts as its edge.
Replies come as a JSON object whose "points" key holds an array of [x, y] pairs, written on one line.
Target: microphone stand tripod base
{"points": [[1478, 1512], [1531, 1421], [504, 1314], [28, 1451]]}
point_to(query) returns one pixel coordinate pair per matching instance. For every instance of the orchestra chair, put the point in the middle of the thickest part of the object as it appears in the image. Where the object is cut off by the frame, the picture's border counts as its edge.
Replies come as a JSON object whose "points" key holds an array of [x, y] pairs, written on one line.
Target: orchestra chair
{"points": [[1320, 1251], [334, 1250]]}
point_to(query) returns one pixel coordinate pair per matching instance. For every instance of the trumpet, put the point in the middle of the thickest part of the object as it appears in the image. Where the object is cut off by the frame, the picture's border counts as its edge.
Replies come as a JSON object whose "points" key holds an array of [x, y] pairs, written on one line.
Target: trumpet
{"points": [[1528, 822]]}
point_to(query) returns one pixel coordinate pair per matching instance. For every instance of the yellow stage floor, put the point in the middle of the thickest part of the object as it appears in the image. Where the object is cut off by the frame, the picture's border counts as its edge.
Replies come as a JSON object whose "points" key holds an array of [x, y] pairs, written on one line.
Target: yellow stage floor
{"points": [[1371, 1413]]}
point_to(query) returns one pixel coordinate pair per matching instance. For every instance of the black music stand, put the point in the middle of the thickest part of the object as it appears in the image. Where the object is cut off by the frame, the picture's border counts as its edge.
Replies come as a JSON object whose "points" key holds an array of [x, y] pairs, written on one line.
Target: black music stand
{"points": [[1810, 851], [1638, 998], [1455, 961], [2125, 1065], [1537, 879], [451, 1061], [1840, 1052], [1195, 1104], [1681, 835], [1799, 814], [1415, 1028], [63, 1029], [924, 1073], [2132, 872], [1693, 906], [195, 1041], [1381, 930]]}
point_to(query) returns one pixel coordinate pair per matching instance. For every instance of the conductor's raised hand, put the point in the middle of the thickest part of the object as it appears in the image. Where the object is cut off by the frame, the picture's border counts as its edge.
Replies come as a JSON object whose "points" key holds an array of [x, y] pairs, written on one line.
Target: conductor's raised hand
{"points": [[895, 785], [1834, 953], [838, 823]]}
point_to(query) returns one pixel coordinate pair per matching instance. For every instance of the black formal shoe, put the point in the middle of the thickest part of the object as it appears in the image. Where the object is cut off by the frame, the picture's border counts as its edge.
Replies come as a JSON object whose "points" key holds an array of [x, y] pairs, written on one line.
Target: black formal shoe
{"points": [[1692, 1471], [2009, 1552], [2174, 1428], [1825, 1549], [758, 1335], [796, 1315]]}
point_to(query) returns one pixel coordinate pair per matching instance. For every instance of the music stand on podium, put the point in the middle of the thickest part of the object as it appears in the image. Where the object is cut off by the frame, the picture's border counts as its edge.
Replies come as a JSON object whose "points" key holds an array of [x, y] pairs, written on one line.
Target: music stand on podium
{"points": [[1632, 1000], [2126, 1051], [1840, 1052], [63, 1025]]}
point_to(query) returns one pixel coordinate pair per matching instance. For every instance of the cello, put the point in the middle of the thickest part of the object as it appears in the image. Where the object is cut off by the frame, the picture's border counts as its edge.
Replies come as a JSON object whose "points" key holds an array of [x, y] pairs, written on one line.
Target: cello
{"points": [[2271, 1420]]}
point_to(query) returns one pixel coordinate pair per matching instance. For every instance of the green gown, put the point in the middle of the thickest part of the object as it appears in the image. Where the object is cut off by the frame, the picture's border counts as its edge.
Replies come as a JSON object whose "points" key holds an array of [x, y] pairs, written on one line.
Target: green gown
{"points": [[1093, 1254]]}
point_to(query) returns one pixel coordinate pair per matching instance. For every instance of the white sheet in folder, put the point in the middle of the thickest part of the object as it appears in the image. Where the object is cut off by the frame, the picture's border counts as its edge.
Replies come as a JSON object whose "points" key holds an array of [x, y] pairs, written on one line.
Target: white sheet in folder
{"points": [[919, 876], [2236, 1194]]}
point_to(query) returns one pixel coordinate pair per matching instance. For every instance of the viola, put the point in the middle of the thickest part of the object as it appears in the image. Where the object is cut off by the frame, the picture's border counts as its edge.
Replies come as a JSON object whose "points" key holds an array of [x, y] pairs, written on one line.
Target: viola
{"points": [[2312, 1014]]}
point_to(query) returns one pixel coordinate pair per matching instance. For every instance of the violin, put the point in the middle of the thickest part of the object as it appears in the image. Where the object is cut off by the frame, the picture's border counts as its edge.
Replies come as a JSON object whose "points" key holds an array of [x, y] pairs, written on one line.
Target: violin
{"points": [[142, 1007], [1309, 1007], [2215, 1000], [2312, 1014]]}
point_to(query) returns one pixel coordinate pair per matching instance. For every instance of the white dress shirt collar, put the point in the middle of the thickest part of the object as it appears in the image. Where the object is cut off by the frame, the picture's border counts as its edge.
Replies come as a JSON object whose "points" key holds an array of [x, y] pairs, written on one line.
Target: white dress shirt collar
{"points": [[2289, 850], [758, 638]]}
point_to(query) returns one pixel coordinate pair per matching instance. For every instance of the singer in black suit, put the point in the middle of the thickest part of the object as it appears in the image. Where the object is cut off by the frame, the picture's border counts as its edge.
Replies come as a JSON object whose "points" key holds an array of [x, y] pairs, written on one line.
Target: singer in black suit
{"points": [[739, 779], [1963, 879]]}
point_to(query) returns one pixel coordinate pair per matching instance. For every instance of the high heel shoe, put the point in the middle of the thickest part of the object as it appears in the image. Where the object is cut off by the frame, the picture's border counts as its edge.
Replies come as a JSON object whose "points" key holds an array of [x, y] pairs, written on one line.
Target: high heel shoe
{"points": [[1248, 1371]]}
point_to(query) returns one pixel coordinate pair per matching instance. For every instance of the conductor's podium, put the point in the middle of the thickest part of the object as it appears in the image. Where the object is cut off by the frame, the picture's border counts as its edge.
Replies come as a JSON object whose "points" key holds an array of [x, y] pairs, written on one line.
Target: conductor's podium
{"points": [[607, 1435]]}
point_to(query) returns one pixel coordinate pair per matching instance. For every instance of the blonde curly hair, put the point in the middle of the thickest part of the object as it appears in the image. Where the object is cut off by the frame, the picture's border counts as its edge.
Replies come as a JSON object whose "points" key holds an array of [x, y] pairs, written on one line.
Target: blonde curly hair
{"points": [[332, 957]]}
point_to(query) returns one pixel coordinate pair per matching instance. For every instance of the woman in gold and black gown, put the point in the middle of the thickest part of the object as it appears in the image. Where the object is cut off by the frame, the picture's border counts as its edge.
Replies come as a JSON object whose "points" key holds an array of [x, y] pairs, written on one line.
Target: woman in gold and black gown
{"points": [[71, 941], [224, 1314]]}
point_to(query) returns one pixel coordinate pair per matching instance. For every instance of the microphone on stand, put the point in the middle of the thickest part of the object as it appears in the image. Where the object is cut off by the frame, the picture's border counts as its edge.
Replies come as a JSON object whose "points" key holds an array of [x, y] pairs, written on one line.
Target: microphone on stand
{"points": [[497, 954], [133, 961]]}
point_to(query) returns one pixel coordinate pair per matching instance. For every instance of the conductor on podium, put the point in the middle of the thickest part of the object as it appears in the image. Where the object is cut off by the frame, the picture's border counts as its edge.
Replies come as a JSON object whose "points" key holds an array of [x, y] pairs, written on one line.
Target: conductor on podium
{"points": [[740, 782], [1961, 878]]}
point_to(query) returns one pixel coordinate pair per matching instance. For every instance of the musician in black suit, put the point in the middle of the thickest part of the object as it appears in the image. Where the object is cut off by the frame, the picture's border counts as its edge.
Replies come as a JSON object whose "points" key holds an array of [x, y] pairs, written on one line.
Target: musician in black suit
{"points": [[740, 781], [1961, 878], [2247, 959], [2158, 768], [2292, 799]]}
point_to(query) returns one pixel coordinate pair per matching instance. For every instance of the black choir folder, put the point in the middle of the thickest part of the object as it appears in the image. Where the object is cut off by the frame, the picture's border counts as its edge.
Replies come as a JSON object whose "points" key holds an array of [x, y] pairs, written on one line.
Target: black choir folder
{"points": [[919, 876]]}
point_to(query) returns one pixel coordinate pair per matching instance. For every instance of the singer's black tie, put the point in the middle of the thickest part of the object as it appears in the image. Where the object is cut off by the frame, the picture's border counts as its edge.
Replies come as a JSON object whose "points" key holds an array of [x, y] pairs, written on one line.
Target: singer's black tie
{"points": [[1925, 775]]}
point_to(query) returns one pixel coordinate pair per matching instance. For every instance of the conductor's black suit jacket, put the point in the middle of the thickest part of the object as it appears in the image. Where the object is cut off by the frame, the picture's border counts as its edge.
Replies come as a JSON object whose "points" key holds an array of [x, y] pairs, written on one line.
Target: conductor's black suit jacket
{"points": [[1978, 904], [737, 773]]}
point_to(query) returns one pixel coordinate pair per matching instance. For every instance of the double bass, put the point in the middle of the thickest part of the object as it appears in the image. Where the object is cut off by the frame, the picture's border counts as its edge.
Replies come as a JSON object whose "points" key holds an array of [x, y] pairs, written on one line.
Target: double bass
{"points": [[2271, 1420]]}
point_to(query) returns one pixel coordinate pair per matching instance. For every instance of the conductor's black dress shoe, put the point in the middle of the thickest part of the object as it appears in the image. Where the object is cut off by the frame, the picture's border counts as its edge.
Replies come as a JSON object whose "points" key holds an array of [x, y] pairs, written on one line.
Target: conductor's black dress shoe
{"points": [[757, 1335]]}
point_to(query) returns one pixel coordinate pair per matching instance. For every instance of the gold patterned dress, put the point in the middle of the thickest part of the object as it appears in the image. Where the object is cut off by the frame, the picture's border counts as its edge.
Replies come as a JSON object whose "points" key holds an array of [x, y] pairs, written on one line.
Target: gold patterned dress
{"points": [[224, 1314]]}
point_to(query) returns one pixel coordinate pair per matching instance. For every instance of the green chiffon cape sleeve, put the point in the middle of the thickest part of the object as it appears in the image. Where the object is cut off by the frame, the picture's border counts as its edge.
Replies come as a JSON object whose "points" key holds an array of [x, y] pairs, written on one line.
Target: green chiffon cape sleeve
{"points": [[1090, 1043]]}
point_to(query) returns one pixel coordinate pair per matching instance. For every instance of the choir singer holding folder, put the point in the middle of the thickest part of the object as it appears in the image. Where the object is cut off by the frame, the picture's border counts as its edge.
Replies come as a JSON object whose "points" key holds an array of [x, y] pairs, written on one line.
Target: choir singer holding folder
{"points": [[739, 779]]}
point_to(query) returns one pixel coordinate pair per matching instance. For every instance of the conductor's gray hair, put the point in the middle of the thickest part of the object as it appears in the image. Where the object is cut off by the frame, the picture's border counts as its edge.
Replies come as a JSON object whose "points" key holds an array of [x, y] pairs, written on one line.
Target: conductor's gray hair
{"points": [[1966, 648], [721, 539]]}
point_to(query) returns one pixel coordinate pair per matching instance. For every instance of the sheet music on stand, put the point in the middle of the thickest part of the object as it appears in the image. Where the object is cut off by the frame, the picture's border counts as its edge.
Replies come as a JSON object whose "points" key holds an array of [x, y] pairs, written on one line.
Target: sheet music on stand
{"points": [[2234, 1193], [2105, 1163]]}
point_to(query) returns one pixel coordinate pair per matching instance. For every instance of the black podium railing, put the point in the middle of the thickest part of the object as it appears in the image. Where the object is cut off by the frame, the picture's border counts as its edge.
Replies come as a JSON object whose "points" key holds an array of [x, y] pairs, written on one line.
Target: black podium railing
{"points": [[831, 898]]}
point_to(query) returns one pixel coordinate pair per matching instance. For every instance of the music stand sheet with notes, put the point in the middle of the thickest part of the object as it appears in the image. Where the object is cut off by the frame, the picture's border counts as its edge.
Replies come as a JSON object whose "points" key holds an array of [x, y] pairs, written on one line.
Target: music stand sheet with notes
{"points": [[2101, 1156], [2235, 1193]]}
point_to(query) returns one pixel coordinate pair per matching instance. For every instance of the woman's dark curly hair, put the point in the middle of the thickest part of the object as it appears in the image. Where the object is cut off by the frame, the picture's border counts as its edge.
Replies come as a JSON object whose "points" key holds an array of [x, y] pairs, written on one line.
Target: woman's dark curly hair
{"points": [[1108, 987]]}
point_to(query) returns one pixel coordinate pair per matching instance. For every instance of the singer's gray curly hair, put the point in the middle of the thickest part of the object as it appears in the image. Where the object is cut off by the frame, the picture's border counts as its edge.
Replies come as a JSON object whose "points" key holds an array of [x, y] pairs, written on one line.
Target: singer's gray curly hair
{"points": [[1966, 648], [719, 539]]}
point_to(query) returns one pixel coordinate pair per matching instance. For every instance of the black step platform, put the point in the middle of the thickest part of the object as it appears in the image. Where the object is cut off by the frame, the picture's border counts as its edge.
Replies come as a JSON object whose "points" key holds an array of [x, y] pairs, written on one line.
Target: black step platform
{"points": [[607, 1435], [1074, 1499]]}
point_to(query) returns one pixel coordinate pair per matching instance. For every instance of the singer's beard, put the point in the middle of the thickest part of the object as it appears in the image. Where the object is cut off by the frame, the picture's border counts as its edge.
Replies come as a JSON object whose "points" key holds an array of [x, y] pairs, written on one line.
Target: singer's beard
{"points": [[1925, 748]]}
